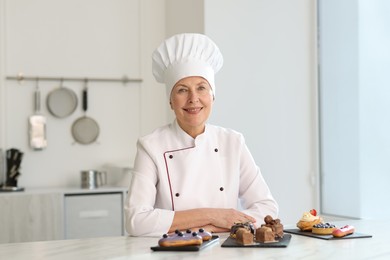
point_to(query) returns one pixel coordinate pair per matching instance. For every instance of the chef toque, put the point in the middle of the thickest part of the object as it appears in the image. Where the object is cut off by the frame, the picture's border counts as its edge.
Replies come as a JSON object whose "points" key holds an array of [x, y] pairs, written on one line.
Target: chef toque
{"points": [[185, 55]]}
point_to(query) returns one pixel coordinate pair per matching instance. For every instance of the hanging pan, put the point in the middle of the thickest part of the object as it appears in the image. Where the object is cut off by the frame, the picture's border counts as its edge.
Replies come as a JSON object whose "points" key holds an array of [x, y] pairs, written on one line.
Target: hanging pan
{"points": [[61, 102], [85, 130]]}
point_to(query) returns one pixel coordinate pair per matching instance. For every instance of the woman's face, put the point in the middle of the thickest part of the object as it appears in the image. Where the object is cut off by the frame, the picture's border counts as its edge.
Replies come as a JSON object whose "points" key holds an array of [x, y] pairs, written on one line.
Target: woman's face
{"points": [[192, 100]]}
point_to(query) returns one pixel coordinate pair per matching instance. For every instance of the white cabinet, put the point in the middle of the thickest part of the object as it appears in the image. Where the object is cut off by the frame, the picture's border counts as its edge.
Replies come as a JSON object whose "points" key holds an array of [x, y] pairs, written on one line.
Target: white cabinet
{"points": [[42, 214], [93, 215]]}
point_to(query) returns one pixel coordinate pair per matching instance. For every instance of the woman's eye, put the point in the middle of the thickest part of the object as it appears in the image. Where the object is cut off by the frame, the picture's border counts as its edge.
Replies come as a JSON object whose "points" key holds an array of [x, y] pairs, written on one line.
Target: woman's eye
{"points": [[203, 89], [182, 90]]}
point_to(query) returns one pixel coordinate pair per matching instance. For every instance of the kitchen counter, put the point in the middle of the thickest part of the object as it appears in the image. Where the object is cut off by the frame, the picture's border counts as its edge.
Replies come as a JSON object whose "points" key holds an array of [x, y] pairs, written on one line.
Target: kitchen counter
{"points": [[123, 247], [63, 190]]}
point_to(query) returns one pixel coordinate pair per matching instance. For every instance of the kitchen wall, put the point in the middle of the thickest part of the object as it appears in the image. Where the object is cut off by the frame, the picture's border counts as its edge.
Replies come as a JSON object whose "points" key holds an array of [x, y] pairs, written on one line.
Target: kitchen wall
{"points": [[266, 89], [93, 39]]}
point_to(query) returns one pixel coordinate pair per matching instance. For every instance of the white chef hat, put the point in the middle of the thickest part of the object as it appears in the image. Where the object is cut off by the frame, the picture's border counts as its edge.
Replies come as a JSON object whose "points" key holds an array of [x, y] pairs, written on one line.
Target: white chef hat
{"points": [[185, 55]]}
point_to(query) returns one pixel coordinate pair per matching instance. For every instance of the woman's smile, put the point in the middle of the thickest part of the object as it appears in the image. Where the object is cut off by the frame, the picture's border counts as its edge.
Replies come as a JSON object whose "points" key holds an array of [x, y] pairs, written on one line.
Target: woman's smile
{"points": [[193, 110]]}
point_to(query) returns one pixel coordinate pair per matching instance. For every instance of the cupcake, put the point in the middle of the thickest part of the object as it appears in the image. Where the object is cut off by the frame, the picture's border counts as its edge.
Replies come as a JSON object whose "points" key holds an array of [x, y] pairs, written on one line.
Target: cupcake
{"points": [[308, 220]]}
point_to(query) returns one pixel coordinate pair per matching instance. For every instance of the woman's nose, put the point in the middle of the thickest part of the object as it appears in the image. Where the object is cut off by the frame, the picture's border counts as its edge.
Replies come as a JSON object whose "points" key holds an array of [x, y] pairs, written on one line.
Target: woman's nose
{"points": [[193, 96]]}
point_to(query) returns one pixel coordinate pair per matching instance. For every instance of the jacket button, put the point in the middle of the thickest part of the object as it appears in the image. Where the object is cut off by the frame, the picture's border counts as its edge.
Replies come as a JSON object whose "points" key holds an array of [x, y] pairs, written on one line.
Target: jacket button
{"points": [[170, 156], [216, 150], [177, 194], [221, 189]]}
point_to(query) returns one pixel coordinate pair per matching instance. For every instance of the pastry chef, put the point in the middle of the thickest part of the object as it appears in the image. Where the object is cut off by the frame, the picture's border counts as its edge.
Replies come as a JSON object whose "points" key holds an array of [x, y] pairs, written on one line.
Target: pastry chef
{"points": [[190, 174]]}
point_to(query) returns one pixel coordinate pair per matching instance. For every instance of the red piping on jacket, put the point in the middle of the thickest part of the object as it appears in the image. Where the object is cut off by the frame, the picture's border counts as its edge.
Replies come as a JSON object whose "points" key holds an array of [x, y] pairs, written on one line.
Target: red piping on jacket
{"points": [[166, 167]]}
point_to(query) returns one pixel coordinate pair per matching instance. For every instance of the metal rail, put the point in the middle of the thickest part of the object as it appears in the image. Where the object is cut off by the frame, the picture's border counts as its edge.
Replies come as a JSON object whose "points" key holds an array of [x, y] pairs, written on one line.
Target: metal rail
{"points": [[20, 77]]}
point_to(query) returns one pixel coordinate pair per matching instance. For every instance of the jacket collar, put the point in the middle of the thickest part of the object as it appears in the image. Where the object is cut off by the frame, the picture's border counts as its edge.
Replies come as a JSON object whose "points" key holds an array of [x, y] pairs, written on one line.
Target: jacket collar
{"points": [[185, 138]]}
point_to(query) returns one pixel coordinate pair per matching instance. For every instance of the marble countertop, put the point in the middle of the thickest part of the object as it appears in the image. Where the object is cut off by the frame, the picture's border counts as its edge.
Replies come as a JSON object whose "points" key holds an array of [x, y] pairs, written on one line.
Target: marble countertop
{"points": [[300, 247]]}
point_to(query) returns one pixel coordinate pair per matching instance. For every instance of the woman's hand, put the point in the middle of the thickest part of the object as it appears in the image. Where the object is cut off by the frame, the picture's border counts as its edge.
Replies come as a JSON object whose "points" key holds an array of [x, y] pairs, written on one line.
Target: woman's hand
{"points": [[211, 219], [226, 218], [214, 229]]}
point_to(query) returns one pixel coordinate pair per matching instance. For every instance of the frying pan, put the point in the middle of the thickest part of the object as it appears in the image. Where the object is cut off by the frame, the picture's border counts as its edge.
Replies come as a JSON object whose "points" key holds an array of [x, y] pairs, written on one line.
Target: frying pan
{"points": [[61, 102], [85, 130]]}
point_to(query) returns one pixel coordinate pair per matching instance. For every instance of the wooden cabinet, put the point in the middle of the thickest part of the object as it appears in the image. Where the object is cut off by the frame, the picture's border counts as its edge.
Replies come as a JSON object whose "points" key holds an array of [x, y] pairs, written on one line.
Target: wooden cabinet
{"points": [[30, 217], [38, 215]]}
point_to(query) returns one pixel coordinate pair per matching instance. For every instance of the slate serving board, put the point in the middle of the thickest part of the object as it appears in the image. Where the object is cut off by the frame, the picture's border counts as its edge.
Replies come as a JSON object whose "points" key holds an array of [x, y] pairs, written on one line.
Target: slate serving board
{"points": [[214, 239], [283, 242], [297, 231]]}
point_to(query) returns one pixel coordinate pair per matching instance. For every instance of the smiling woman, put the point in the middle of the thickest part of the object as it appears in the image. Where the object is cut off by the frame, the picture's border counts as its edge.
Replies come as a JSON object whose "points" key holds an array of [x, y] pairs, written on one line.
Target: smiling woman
{"points": [[190, 174]]}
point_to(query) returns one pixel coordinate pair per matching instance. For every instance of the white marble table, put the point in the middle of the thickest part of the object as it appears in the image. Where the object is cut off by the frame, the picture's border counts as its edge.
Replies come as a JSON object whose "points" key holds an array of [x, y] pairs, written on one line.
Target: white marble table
{"points": [[300, 247]]}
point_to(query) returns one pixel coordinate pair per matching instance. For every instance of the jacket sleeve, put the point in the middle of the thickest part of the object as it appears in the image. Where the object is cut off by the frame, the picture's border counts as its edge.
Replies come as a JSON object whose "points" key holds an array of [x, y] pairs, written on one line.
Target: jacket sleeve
{"points": [[141, 217], [255, 196]]}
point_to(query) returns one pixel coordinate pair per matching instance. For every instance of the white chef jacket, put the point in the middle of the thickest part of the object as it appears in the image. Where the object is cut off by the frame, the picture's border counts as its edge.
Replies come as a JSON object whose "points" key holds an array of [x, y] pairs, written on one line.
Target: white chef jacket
{"points": [[173, 172]]}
